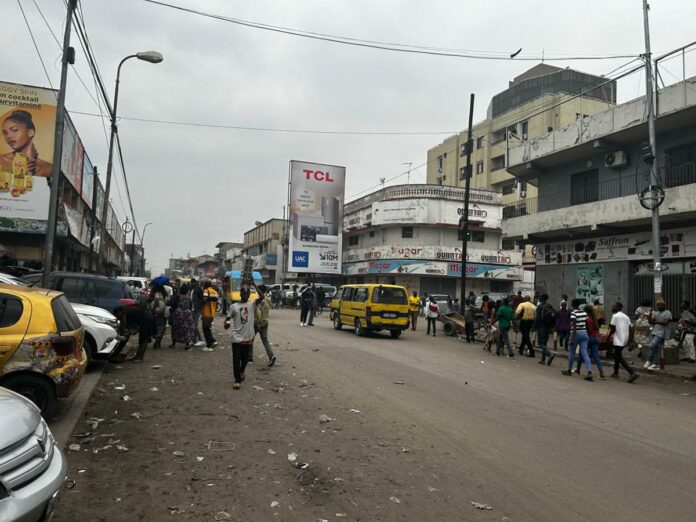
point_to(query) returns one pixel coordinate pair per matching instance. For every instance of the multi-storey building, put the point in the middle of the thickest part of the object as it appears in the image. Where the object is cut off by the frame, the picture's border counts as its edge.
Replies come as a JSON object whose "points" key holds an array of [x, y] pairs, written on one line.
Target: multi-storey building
{"points": [[526, 110], [591, 234], [229, 257], [264, 244], [410, 235]]}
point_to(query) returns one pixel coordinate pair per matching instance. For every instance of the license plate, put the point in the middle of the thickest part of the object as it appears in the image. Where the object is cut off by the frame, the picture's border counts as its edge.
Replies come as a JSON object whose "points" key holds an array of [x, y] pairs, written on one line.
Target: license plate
{"points": [[389, 316]]}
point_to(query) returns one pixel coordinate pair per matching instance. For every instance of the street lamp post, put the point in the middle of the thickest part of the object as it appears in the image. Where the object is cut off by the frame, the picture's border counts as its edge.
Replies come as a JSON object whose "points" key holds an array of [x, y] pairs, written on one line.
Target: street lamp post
{"points": [[142, 256], [147, 56]]}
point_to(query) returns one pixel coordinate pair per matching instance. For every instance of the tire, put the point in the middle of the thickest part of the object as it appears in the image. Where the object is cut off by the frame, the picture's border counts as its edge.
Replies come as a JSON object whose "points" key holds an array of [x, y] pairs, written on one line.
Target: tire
{"points": [[359, 330], [37, 390], [395, 334], [337, 321], [449, 329]]}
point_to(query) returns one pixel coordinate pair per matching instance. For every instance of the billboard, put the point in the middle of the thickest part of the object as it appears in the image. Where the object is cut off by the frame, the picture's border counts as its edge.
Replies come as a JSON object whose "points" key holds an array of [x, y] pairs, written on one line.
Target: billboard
{"points": [[28, 121], [433, 268], [87, 181], [71, 160], [316, 217]]}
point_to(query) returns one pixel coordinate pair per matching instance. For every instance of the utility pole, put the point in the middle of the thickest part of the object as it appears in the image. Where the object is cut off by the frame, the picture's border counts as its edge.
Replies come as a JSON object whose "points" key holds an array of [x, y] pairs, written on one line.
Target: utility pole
{"points": [[68, 57], [93, 226], [408, 174], [464, 220], [132, 254], [655, 190]]}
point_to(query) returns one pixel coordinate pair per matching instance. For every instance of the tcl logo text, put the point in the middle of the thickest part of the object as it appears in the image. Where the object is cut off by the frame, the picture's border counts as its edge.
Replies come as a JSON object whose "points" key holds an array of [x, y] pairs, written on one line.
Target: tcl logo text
{"points": [[318, 175]]}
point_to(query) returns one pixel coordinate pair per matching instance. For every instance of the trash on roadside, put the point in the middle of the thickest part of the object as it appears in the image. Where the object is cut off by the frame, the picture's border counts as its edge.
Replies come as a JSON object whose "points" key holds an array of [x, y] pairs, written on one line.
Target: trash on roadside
{"points": [[324, 418], [478, 505], [222, 515], [156, 366], [136, 415], [215, 445], [271, 452], [175, 510], [406, 450], [93, 422], [82, 435], [200, 459], [113, 441], [353, 410], [315, 349], [121, 387], [275, 503], [154, 388], [126, 398], [122, 448], [259, 388], [432, 489], [292, 457], [74, 447], [399, 382], [81, 470], [201, 393], [178, 453], [395, 500]]}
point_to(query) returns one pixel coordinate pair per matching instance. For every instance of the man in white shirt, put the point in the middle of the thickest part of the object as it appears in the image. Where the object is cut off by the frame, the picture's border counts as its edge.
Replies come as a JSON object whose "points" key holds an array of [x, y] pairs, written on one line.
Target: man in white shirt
{"points": [[243, 333], [619, 330]]}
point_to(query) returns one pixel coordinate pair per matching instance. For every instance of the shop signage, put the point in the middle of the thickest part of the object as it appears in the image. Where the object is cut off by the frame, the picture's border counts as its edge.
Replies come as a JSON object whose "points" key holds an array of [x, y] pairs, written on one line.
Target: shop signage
{"points": [[433, 253], [433, 268]]}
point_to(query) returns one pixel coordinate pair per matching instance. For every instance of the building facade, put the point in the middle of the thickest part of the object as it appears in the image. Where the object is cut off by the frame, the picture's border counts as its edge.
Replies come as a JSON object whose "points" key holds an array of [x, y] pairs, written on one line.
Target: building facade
{"points": [[264, 243], [518, 113], [410, 235], [229, 256], [591, 235]]}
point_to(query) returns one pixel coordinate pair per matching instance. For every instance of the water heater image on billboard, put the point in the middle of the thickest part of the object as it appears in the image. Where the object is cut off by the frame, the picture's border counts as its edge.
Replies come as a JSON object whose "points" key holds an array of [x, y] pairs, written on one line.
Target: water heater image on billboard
{"points": [[316, 217]]}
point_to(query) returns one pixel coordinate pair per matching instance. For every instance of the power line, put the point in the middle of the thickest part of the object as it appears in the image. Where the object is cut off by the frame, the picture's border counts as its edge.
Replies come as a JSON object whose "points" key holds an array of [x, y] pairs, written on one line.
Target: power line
{"points": [[385, 46], [274, 129], [36, 47], [125, 179]]}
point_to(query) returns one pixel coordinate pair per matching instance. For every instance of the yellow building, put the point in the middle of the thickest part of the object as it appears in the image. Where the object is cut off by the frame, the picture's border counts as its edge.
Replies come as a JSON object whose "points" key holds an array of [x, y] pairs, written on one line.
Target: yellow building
{"points": [[528, 109]]}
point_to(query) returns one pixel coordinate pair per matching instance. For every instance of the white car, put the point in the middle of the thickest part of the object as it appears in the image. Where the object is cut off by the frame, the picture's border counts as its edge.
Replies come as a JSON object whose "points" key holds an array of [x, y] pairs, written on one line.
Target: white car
{"points": [[101, 331]]}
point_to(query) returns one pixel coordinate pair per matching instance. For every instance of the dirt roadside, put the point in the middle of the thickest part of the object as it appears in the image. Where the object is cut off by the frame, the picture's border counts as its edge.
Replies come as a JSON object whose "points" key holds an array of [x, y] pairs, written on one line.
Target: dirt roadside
{"points": [[177, 443]]}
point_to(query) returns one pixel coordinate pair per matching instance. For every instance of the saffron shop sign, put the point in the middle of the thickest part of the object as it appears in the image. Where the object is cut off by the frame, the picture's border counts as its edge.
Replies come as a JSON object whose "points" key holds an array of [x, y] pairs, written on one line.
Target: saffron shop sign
{"points": [[433, 253]]}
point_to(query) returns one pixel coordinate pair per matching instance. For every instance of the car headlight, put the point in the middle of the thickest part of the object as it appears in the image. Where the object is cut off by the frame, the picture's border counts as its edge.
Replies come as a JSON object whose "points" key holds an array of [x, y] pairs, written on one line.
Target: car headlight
{"points": [[103, 320]]}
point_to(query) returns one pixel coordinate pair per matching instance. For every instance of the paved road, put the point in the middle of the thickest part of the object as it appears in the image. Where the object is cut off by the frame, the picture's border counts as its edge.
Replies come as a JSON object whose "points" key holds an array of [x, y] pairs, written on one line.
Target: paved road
{"points": [[518, 435], [439, 424]]}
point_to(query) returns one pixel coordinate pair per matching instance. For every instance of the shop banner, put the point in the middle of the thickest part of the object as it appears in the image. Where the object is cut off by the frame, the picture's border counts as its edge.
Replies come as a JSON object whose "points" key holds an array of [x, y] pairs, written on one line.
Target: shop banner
{"points": [[433, 253], [87, 181], [675, 243], [72, 157], [28, 120], [400, 211], [100, 199], [433, 268], [589, 282], [316, 217]]}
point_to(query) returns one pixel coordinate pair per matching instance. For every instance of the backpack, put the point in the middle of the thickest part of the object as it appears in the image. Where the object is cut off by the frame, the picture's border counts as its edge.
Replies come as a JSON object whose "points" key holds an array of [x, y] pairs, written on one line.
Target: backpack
{"points": [[548, 315]]}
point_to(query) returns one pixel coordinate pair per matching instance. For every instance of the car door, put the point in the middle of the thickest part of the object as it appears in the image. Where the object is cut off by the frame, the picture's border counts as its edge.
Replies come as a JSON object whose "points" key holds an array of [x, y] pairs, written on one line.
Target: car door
{"points": [[15, 313], [344, 305], [359, 304]]}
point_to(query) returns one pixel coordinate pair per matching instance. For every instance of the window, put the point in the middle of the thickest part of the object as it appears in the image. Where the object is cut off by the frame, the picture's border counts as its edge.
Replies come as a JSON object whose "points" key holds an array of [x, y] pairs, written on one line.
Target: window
{"points": [[389, 295], [354, 240], [524, 129], [479, 143], [498, 136], [11, 310], [680, 165], [72, 287], [372, 233], [65, 316], [479, 167], [439, 163], [462, 172], [508, 188], [509, 244], [584, 187], [580, 116], [406, 232], [106, 287], [475, 236], [347, 294], [360, 295], [498, 162], [462, 149]]}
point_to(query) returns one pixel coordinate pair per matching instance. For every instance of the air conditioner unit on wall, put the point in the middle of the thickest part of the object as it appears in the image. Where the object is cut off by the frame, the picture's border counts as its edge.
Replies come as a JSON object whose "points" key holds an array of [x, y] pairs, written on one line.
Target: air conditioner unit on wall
{"points": [[616, 159]]}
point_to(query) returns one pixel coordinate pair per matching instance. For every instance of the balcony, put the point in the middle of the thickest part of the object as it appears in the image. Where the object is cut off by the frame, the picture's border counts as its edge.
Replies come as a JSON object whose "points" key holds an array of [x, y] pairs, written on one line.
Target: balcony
{"points": [[612, 205]]}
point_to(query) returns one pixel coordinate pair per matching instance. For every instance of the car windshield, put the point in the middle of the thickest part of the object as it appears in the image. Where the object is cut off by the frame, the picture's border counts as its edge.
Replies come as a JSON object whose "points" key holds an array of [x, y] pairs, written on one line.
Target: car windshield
{"points": [[389, 295]]}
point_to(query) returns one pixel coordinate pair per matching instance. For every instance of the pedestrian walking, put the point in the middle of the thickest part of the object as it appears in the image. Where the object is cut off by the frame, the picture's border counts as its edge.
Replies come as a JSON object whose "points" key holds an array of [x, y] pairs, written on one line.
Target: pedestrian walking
{"points": [[306, 306], [225, 294], [208, 310], [196, 309], [659, 319], [182, 319], [619, 330], [578, 321], [517, 300], [504, 316], [598, 311], [593, 341], [261, 310], [526, 313], [321, 298], [687, 324], [241, 317], [433, 311], [157, 305], [283, 296], [413, 309], [469, 320], [546, 322], [563, 325], [485, 308]]}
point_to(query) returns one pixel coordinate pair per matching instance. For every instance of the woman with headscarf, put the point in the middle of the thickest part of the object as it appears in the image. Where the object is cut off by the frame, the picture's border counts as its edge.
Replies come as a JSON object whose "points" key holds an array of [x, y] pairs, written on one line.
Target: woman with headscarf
{"points": [[157, 305], [182, 319]]}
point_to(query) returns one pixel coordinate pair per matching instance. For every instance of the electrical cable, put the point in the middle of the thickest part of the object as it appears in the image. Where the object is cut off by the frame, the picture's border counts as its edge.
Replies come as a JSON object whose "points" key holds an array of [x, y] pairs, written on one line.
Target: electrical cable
{"points": [[403, 48], [36, 47]]}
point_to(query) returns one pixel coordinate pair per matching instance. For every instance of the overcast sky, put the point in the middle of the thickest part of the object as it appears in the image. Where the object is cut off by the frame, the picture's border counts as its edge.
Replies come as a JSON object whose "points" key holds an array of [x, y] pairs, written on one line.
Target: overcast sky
{"points": [[200, 186]]}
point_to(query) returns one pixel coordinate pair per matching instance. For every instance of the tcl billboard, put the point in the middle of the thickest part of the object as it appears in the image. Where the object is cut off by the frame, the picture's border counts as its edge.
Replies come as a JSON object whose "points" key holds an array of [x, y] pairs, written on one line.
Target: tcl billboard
{"points": [[316, 217]]}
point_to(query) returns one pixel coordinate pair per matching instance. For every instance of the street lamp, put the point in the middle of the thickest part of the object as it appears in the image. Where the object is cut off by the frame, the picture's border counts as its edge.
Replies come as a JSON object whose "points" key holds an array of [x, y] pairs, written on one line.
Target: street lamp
{"points": [[142, 256], [147, 56]]}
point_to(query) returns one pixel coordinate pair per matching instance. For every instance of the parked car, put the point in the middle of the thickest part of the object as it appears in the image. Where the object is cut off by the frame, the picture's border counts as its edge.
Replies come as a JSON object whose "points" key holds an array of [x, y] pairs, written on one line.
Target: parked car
{"points": [[41, 355], [8, 279], [101, 331], [442, 301], [137, 285], [18, 271], [95, 290], [32, 467], [329, 291], [478, 302]]}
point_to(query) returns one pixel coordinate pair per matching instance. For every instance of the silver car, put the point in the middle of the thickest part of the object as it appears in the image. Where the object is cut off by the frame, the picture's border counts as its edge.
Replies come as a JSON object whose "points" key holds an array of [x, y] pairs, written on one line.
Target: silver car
{"points": [[32, 468]]}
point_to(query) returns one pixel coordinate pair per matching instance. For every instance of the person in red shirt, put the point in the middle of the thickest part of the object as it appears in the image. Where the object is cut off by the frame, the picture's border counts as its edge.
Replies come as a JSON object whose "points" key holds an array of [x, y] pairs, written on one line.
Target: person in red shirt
{"points": [[593, 342]]}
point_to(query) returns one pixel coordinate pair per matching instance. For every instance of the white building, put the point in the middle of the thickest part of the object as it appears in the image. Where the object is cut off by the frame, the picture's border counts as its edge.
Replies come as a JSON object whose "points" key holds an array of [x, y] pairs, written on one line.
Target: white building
{"points": [[409, 235]]}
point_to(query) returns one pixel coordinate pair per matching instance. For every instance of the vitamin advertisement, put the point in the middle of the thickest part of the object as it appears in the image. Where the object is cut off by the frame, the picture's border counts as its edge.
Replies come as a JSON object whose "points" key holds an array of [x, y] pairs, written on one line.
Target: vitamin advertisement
{"points": [[28, 120]]}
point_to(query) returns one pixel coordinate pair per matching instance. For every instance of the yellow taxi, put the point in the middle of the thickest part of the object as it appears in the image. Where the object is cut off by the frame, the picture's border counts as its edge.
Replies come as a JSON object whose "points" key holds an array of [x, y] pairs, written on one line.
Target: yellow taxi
{"points": [[234, 280], [41, 355], [369, 308]]}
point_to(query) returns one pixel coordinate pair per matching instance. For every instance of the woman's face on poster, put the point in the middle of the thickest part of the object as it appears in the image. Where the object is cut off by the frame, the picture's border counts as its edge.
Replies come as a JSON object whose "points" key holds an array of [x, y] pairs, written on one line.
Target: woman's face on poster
{"points": [[16, 134]]}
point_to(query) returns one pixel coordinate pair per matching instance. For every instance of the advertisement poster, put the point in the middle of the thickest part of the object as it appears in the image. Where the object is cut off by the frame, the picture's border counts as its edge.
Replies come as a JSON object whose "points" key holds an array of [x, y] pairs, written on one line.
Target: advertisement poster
{"points": [[87, 181], [589, 283], [624, 247], [28, 120], [316, 217], [400, 211], [71, 163], [100, 199], [433, 253]]}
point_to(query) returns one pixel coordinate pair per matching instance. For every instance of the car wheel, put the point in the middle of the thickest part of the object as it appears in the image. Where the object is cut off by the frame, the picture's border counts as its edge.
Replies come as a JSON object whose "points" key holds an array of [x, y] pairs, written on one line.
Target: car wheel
{"points": [[37, 390], [395, 334], [337, 321], [359, 330]]}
